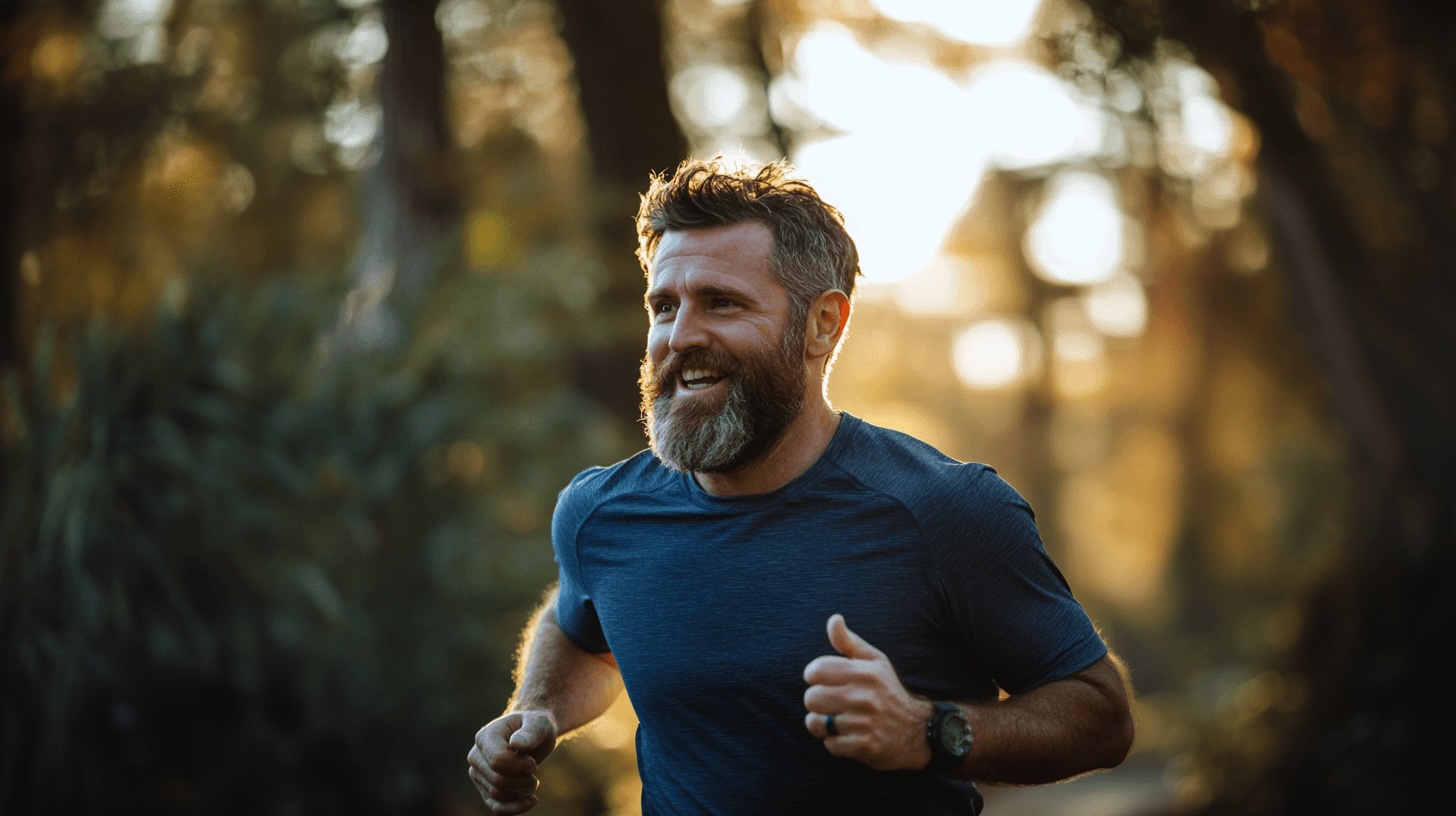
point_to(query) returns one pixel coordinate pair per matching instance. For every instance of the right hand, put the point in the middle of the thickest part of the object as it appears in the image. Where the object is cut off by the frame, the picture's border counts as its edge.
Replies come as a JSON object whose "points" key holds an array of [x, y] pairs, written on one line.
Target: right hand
{"points": [[505, 759]]}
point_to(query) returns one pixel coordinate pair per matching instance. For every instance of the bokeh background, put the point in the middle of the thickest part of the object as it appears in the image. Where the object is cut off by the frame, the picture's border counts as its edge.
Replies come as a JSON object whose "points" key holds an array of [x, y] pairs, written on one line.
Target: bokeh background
{"points": [[311, 306]]}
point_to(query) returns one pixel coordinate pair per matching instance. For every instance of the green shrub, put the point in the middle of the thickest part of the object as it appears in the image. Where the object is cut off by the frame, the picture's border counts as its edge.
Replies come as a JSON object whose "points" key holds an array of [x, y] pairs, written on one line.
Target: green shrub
{"points": [[240, 574]]}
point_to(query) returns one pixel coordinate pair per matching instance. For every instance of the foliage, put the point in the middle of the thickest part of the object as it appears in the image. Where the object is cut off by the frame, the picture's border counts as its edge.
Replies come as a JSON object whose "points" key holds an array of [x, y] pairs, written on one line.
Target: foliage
{"points": [[243, 573]]}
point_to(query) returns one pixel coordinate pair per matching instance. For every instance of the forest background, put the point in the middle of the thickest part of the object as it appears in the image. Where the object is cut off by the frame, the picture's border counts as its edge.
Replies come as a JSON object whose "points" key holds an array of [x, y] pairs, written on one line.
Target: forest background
{"points": [[310, 307]]}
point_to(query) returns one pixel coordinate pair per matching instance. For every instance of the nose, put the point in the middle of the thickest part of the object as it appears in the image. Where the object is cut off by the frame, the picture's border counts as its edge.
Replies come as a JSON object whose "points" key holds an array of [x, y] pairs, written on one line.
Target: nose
{"points": [[687, 330]]}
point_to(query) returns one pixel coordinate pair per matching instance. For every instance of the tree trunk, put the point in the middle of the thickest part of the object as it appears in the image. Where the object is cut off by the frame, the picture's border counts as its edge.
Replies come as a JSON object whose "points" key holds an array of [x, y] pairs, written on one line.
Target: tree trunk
{"points": [[12, 113], [411, 205], [617, 49]]}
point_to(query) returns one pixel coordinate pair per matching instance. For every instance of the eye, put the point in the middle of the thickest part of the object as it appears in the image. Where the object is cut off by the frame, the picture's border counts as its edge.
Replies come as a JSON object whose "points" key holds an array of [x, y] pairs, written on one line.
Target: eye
{"points": [[662, 307], [723, 303]]}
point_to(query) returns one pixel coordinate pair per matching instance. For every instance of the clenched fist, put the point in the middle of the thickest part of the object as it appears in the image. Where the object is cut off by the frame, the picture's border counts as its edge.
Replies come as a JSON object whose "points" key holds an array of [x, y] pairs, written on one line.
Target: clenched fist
{"points": [[506, 756]]}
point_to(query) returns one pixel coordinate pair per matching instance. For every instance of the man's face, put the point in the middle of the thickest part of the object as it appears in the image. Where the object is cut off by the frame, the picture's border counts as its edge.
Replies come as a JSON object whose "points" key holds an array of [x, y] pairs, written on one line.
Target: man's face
{"points": [[725, 371]]}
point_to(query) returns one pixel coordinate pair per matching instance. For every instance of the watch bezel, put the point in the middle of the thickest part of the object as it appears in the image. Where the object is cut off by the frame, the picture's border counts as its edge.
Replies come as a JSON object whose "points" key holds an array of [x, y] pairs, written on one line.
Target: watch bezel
{"points": [[943, 757]]}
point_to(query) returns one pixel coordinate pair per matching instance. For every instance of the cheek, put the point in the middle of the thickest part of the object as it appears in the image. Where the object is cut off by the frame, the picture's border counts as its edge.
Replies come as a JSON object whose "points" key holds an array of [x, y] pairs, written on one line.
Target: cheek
{"points": [[657, 343]]}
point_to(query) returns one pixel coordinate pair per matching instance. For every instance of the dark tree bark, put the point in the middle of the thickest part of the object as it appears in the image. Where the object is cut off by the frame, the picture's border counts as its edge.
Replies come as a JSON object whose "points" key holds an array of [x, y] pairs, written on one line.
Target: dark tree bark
{"points": [[617, 49], [757, 28], [1353, 101], [411, 203], [11, 112]]}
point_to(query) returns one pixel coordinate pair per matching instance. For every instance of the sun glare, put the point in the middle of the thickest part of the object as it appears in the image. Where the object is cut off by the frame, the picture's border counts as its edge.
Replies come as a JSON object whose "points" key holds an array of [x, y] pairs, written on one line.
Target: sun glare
{"points": [[996, 353], [1076, 237], [909, 157], [978, 22], [1031, 116], [711, 96], [1118, 307]]}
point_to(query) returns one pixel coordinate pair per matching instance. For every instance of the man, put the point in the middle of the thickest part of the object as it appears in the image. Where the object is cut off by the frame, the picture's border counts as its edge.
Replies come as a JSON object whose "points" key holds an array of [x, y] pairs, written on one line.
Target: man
{"points": [[810, 614]]}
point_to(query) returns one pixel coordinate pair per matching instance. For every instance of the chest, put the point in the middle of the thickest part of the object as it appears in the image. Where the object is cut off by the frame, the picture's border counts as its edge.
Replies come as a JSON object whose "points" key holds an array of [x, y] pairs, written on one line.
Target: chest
{"points": [[733, 606]]}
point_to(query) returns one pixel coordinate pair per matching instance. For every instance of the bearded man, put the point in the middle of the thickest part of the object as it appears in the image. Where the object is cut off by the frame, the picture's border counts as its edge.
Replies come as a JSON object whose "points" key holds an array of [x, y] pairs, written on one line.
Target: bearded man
{"points": [[713, 573]]}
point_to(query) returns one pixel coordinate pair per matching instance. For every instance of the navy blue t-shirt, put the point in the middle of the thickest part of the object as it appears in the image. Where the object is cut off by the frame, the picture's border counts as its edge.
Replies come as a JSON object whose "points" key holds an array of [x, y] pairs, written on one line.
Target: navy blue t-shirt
{"points": [[712, 607]]}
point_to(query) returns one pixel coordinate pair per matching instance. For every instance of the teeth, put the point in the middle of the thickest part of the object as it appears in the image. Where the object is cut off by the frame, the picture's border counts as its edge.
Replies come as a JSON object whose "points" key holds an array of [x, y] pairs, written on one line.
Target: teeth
{"points": [[698, 374]]}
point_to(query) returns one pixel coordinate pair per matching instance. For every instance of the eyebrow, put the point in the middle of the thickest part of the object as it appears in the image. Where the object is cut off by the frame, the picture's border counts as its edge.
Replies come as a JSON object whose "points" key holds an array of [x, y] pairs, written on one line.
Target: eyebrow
{"points": [[707, 291]]}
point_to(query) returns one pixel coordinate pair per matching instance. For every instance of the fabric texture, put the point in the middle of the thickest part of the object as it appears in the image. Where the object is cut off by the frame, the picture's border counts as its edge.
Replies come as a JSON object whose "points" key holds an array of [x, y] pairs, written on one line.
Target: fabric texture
{"points": [[712, 607]]}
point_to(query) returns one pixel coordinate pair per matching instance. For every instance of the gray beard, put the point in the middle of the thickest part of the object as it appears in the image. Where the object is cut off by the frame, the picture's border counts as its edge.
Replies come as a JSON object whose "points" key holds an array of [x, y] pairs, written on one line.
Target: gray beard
{"points": [[764, 397], [714, 445]]}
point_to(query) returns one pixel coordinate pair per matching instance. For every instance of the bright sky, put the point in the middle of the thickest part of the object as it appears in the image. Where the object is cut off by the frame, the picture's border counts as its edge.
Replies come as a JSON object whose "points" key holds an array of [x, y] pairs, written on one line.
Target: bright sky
{"points": [[915, 143], [910, 146]]}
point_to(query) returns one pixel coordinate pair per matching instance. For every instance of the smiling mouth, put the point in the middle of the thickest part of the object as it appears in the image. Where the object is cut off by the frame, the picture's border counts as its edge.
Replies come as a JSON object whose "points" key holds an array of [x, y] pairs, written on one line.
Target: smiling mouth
{"points": [[699, 379]]}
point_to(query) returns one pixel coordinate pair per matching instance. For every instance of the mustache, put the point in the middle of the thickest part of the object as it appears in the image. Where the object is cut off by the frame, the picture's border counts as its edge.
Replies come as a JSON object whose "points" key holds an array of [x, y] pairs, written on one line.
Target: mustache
{"points": [[664, 378]]}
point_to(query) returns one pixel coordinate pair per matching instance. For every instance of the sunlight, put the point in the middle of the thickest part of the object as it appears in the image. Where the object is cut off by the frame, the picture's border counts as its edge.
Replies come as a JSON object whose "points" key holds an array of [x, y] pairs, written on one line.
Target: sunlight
{"points": [[907, 162], [1201, 130], [935, 289], [979, 22], [840, 82], [996, 353], [1117, 307], [1207, 125], [1031, 116], [711, 96], [1076, 237], [898, 206], [1121, 517], [141, 23], [912, 146]]}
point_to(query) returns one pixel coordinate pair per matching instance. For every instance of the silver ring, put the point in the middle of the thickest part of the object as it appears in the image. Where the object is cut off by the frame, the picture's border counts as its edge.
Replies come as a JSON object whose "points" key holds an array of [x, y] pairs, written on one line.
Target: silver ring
{"points": [[829, 725]]}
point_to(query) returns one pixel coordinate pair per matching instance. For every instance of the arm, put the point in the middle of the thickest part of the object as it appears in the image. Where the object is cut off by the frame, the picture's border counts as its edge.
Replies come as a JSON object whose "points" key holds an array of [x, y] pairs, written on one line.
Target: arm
{"points": [[1056, 731], [559, 689]]}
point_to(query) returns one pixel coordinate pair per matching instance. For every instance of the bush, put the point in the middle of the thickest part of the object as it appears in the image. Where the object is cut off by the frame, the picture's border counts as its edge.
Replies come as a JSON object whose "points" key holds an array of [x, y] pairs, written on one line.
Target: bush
{"points": [[241, 575]]}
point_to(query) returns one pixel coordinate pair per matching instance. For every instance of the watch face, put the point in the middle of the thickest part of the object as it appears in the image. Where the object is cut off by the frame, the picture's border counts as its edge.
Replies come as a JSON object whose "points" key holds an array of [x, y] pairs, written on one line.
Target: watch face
{"points": [[954, 736]]}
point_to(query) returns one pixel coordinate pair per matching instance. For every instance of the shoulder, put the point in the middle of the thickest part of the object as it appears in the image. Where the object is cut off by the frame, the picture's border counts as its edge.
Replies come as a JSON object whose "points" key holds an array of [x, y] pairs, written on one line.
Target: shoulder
{"points": [[924, 478], [594, 486]]}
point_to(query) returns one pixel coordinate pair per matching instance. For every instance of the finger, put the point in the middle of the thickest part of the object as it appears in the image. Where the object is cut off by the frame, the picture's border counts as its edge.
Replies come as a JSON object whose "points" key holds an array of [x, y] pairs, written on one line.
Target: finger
{"points": [[518, 784], [837, 699], [502, 801], [818, 724], [510, 808], [834, 670], [848, 643], [496, 734], [491, 785], [510, 763]]}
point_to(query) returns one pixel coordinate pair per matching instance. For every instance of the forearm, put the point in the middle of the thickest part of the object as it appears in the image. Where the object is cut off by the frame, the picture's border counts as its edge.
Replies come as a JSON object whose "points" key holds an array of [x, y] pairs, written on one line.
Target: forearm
{"points": [[1064, 729], [556, 676]]}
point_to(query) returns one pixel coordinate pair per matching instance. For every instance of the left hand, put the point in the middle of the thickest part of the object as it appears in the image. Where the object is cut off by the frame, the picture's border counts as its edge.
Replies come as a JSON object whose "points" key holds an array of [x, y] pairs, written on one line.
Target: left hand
{"points": [[876, 720]]}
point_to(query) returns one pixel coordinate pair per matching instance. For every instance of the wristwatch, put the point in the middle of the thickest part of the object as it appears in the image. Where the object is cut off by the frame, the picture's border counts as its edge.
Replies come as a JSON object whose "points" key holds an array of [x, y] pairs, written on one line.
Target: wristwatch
{"points": [[949, 734]]}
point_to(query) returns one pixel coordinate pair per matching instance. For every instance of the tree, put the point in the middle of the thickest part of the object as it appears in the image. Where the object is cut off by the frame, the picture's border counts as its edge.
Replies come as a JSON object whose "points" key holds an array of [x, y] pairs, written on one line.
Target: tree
{"points": [[631, 132], [1353, 103], [10, 111], [410, 205]]}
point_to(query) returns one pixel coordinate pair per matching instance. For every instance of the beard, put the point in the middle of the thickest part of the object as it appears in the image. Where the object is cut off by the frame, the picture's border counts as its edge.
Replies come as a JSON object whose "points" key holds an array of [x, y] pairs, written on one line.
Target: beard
{"points": [[706, 435]]}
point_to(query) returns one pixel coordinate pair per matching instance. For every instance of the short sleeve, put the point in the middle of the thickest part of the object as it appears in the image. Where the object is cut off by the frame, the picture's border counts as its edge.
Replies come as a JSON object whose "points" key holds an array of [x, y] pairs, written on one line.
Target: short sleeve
{"points": [[575, 612], [1006, 597]]}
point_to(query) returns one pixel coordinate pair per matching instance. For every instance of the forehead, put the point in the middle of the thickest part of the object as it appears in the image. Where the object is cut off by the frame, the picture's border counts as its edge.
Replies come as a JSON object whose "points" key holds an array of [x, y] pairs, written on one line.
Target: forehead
{"points": [[739, 253]]}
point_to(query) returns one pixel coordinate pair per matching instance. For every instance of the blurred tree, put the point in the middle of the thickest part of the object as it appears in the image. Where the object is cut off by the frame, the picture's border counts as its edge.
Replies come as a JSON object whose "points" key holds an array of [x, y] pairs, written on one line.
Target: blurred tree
{"points": [[1353, 101], [617, 50], [10, 111], [411, 207]]}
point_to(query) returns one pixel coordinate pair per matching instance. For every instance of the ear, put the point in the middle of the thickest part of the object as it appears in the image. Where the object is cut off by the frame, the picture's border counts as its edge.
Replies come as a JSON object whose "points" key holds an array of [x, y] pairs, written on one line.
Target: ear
{"points": [[828, 317]]}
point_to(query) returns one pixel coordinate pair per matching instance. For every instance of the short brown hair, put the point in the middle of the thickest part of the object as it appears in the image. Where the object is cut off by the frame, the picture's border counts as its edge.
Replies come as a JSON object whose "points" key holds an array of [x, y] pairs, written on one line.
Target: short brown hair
{"points": [[812, 251]]}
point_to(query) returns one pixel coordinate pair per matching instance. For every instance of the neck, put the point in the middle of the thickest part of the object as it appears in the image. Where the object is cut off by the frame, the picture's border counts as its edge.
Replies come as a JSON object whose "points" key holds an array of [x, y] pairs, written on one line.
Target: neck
{"points": [[797, 449]]}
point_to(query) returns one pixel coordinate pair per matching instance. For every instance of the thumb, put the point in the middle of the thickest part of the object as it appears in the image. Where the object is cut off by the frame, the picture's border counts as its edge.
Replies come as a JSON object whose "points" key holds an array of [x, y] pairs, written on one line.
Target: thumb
{"points": [[848, 643], [535, 732]]}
